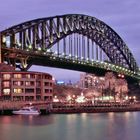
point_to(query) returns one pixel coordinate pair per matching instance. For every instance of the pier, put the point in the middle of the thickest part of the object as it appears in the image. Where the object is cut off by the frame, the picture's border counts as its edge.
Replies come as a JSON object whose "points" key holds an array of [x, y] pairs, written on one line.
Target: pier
{"points": [[94, 108], [6, 107]]}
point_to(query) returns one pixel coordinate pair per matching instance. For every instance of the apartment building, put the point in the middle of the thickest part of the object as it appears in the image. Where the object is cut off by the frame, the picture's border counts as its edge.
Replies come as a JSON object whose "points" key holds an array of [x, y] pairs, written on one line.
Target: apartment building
{"points": [[25, 86]]}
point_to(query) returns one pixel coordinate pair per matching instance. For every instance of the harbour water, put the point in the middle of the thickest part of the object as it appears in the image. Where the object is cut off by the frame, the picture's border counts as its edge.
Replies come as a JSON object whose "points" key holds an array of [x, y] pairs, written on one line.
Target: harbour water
{"points": [[84, 126]]}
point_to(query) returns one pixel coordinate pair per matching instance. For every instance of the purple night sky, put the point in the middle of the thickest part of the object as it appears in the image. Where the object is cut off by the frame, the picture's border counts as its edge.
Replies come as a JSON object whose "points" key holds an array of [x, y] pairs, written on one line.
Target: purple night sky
{"points": [[122, 15]]}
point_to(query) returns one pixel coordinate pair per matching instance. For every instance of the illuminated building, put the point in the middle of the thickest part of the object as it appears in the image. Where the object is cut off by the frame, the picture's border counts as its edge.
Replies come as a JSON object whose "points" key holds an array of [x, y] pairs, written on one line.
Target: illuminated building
{"points": [[60, 82], [90, 80], [26, 86]]}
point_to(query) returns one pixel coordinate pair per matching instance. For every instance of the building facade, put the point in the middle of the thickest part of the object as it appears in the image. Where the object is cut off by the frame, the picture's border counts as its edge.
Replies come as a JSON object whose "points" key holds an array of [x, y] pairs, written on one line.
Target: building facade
{"points": [[88, 80], [25, 86]]}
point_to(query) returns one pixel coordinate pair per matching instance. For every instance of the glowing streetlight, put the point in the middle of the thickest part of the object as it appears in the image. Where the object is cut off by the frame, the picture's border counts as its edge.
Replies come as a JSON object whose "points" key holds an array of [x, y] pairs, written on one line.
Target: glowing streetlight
{"points": [[126, 98], [134, 97], [80, 99], [30, 46], [30, 103], [73, 96], [55, 99]]}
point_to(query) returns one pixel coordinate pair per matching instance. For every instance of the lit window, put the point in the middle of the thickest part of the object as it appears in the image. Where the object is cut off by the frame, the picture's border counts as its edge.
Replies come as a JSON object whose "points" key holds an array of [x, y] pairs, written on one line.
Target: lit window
{"points": [[18, 90], [18, 83], [6, 91], [6, 76], [17, 76], [28, 76], [31, 83], [6, 84], [27, 83]]}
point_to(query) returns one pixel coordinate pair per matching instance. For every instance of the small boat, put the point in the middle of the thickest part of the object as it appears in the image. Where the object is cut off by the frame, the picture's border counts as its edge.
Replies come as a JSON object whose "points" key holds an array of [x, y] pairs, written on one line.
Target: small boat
{"points": [[28, 110]]}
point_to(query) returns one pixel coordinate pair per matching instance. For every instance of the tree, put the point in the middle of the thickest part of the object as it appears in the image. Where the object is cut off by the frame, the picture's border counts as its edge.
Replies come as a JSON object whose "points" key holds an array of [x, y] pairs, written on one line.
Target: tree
{"points": [[110, 82], [121, 88]]}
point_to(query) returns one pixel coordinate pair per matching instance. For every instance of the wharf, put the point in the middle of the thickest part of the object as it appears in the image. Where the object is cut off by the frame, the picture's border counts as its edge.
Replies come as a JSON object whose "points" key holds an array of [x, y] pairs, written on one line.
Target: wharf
{"points": [[96, 108], [6, 107]]}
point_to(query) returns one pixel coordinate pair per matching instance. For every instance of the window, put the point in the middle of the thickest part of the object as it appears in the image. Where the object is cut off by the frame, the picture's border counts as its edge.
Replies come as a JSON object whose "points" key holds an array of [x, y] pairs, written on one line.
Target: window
{"points": [[30, 90], [38, 83], [51, 84], [29, 83], [18, 83], [38, 76], [17, 76], [6, 84], [46, 90], [30, 76], [6, 76], [46, 77], [6, 91], [32, 83], [46, 83], [38, 91], [18, 90]]}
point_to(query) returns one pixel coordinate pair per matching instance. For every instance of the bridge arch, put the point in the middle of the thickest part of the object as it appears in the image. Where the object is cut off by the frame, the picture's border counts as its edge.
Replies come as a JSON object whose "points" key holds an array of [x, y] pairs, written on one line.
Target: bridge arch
{"points": [[42, 34]]}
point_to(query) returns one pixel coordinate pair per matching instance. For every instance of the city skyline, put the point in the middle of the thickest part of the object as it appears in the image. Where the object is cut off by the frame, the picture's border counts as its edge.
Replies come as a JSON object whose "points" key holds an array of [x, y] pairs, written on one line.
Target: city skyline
{"points": [[122, 16]]}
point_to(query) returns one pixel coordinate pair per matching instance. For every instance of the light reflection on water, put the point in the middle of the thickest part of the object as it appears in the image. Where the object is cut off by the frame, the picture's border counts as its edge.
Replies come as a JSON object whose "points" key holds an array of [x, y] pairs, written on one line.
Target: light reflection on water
{"points": [[97, 126]]}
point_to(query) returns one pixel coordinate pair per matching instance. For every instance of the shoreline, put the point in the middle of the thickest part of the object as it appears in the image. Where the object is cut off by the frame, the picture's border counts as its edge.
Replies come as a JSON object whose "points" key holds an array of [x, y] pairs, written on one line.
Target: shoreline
{"points": [[97, 110], [80, 110]]}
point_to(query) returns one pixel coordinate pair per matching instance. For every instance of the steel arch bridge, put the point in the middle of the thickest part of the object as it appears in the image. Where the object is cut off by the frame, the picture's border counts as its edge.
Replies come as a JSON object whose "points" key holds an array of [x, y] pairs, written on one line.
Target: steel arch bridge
{"points": [[73, 41]]}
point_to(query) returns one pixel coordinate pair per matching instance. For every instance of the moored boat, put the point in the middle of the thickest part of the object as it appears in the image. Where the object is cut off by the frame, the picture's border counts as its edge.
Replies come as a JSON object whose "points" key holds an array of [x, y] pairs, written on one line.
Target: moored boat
{"points": [[28, 110]]}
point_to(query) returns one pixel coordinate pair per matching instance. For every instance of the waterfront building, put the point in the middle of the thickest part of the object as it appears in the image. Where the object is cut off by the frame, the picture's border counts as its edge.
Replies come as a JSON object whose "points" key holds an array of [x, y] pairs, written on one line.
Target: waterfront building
{"points": [[88, 80], [25, 86]]}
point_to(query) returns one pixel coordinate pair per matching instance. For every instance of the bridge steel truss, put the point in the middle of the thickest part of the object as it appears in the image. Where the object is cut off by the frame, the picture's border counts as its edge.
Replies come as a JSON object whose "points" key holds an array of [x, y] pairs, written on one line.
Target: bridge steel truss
{"points": [[74, 37]]}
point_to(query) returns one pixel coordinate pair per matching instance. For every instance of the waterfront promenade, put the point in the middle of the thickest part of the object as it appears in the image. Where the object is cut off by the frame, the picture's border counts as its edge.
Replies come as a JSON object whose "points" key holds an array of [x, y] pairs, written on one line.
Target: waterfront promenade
{"points": [[49, 107], [95, 108], [12, 105]]}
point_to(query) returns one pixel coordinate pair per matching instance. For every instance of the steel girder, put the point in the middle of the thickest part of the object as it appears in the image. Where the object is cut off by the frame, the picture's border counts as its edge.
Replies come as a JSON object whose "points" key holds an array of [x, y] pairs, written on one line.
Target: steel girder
{"points": [[45, 32]]}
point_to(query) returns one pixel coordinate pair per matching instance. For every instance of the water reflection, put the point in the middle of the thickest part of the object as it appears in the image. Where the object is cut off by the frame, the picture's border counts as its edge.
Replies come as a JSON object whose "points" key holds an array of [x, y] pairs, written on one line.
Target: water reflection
{"points": [[30, 120], [97, 126]]}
